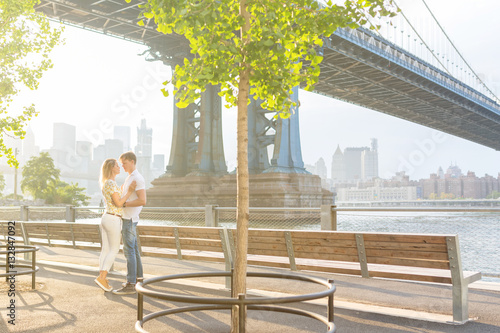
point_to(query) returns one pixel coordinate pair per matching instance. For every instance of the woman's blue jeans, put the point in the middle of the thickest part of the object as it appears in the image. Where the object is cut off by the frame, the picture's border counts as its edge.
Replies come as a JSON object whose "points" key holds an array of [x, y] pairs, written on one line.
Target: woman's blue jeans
{"points": [[131, 251]]}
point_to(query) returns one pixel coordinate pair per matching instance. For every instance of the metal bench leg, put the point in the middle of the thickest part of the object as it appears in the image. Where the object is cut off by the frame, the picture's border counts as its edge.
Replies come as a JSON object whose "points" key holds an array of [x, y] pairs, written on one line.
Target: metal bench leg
{"points": [[460, 285], [460, 303]]}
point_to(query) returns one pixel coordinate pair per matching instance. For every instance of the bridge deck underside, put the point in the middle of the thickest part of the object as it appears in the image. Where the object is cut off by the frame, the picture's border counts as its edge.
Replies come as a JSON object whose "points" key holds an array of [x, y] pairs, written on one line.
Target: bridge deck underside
{"points": [[358, 76], [116, 18], [349, 72]]}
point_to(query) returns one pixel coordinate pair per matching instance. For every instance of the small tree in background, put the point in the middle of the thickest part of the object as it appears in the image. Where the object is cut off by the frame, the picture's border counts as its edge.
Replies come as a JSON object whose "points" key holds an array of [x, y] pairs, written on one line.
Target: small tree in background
{"points": [[25, 42], [263, 48], [40, 177], [41, 180], [70, 194]]}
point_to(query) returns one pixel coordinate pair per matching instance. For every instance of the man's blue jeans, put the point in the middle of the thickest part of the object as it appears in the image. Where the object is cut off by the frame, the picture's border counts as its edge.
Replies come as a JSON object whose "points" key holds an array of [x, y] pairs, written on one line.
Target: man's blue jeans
{"points": [[131, 251]]}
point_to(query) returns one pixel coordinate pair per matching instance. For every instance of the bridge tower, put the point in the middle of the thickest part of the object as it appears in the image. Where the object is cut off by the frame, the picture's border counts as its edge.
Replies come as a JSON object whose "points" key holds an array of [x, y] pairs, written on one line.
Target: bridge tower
{"points": [[197, 175]]}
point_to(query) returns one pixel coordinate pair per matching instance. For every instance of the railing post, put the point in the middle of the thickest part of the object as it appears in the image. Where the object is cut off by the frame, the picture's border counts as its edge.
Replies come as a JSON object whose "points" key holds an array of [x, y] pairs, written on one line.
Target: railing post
{"points": [[328, 217], [24, 213], [33, 267], [330, 308], [70, 213], [211, 216], [242, 314], [26, 241]]}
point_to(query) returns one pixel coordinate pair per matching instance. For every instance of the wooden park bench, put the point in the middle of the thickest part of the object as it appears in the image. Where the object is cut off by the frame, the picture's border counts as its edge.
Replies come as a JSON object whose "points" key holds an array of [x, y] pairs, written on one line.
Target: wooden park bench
{"points": [[189, 243], [65, 234], [413, 257]]}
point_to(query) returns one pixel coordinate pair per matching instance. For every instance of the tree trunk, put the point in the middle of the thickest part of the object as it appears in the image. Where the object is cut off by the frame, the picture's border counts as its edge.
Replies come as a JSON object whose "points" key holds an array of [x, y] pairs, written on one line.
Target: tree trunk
{"points": [[242, 176]]}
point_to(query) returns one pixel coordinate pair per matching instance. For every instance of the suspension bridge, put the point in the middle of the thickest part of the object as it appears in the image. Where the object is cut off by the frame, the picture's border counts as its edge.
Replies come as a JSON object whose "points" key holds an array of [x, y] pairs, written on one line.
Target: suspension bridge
{"points": [[380, 69]]}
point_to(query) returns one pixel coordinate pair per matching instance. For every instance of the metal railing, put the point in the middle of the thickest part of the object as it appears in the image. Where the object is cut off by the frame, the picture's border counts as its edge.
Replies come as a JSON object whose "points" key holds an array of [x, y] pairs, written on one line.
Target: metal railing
{"points": [[242, 302], [12, 266], [478, 227]]}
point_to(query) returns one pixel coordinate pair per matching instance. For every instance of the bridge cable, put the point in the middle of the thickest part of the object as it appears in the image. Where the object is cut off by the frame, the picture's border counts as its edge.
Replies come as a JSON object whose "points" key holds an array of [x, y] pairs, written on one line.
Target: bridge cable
{"points": [[374, 26], [452, 44], [416, 32]]}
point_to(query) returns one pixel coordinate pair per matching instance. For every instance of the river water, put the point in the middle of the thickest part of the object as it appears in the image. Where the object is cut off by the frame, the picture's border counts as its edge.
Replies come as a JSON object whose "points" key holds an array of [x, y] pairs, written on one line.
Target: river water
{"points": [[478, 233]]}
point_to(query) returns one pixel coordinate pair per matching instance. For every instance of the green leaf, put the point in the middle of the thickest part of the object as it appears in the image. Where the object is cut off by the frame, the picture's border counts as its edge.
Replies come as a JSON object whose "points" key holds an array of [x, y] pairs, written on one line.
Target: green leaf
{"points": [[268, 43]]}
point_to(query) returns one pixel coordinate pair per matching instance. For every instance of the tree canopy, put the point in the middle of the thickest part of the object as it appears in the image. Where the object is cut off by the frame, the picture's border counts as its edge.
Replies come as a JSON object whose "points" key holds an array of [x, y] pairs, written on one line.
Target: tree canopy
{"points": [[40, 176], [277, 41], [41, 180], [26, 39]]}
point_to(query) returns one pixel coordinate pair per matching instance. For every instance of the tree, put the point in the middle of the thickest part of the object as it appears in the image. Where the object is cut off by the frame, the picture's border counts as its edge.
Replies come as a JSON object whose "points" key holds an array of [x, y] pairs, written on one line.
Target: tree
{"points": [[40, 177], [259, 48], [70, 194], [26, 39], [446, 196], [41, 180]]}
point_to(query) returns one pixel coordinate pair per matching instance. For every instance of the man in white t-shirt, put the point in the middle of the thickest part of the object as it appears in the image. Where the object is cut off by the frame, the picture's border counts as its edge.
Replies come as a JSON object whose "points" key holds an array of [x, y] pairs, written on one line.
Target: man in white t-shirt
{"points": [[131, 211]]}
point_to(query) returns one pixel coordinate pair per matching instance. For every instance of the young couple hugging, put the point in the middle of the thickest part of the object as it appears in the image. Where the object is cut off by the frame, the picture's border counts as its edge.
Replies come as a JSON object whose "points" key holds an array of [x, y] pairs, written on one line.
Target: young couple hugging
{"points": [[123, 205]]}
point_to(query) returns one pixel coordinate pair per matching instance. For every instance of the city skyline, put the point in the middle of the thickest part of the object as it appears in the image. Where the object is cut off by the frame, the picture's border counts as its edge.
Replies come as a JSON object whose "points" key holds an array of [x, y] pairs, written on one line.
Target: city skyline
{"points": [[98, 82], [127, 142]]}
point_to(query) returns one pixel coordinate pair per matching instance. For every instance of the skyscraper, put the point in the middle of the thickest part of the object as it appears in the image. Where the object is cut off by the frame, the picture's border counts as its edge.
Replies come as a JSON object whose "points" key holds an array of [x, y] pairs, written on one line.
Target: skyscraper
{"points": [[355, 163], [64, 137], [63, 149], [369, 162], [122, 133], [321, 168], [144, 151], [338, 166], [29, 147]]}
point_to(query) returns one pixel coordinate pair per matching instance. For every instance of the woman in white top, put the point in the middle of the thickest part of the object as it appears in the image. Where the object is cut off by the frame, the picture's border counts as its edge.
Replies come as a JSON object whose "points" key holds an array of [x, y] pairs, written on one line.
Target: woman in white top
{"points": [[111, 222]]}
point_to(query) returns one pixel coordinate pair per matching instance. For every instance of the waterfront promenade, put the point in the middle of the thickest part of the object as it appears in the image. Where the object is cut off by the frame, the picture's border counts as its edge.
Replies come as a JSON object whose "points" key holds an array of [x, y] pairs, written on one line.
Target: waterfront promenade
{"points": [[67, 300]]}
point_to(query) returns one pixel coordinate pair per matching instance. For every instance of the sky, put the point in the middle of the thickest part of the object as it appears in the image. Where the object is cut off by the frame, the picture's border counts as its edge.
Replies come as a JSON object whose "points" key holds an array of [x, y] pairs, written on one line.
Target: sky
{"points": [[98, 81]]}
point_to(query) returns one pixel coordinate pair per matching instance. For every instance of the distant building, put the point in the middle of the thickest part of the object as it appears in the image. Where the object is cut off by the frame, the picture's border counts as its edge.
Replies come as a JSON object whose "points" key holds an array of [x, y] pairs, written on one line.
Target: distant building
{"points": [[355, 164], [338, 166], [144, 151], [113, 148], [377, 192], [453, 171], [63, 150], [64, 137], [84, 152], [123, 134], [440, 173], [159, 162], [456, 185], [100, 153], [158, 165], [320, 167], [29, 149], [369, 162]]}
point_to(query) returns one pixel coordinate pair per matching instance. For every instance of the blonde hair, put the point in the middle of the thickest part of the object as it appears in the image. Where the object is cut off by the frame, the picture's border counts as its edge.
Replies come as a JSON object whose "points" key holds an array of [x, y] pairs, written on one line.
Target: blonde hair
{"points": [[107, 170]]}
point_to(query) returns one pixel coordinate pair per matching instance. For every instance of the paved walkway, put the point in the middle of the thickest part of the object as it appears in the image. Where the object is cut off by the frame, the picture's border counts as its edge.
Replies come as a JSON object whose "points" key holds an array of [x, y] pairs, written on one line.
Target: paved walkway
{"points": [[67, 300]]}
